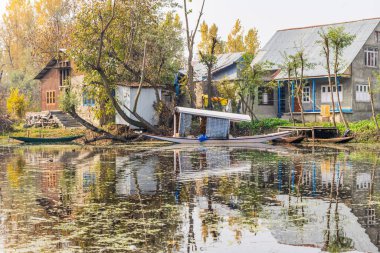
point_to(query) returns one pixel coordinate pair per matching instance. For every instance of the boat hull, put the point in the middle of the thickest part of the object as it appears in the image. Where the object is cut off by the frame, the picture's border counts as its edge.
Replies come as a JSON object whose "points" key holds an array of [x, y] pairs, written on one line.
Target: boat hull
{"points": [[238, 140], [336, 140], [295, 139], [46, 140]]}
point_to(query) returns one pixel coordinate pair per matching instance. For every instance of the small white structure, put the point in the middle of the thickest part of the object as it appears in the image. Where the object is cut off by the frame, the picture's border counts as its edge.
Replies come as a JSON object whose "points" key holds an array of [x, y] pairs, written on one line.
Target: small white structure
{"points": [[126, 95]]}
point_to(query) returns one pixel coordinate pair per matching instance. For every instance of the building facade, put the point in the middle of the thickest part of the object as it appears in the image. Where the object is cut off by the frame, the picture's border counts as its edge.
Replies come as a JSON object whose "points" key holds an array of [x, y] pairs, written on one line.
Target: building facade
{"points": [[359, 63], [57, 77]]}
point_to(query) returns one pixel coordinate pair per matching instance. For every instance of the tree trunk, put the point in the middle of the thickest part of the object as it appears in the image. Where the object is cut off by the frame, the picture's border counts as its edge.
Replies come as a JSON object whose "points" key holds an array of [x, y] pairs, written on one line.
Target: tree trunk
{"points": [[247, 106], [209, 87], [339, 103], [290, 100], [326, 48], [88, 125], [373, 105], [336, 58]]}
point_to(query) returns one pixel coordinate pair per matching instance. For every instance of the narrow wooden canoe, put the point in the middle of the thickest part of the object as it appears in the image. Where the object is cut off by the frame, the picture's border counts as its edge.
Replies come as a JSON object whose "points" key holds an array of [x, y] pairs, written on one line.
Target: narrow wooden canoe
{"points": [[335, 140], [46, 140], [292, 139], [237, 140]]}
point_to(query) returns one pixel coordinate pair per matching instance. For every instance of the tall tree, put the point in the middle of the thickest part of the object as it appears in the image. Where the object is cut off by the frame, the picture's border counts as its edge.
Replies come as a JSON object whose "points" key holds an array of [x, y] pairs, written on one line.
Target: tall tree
{"points": [[109, 43], [207, 55], [288, 67], [251, 41], [190, 41], [235, 41], [206, 37], [325, 43], [372, 91], [339, 40], [300, 65]]}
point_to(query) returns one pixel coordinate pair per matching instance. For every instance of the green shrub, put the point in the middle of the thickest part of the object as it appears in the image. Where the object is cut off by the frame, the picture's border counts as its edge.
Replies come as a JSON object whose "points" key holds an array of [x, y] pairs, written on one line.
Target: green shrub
{"points": [[263, 126]]}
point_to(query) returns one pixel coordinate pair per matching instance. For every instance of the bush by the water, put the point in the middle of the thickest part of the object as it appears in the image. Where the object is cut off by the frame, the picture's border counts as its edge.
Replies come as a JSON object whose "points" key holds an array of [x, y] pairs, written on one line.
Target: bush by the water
{"points": [[263, 126], [364, 130]]}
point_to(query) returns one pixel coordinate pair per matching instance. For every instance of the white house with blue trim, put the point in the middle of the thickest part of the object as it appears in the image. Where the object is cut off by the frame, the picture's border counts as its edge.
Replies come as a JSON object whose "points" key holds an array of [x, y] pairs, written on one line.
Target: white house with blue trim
{"points": [[359, 62]]}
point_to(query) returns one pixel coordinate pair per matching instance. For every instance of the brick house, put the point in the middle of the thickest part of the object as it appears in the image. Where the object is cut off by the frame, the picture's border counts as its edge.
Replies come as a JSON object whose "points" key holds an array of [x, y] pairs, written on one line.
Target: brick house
{"points": [[55, 78]]}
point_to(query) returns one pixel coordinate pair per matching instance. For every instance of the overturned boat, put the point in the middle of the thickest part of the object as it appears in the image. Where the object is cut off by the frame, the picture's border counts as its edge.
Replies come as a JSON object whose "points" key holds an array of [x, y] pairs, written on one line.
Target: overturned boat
{"points": [[213, 129]]}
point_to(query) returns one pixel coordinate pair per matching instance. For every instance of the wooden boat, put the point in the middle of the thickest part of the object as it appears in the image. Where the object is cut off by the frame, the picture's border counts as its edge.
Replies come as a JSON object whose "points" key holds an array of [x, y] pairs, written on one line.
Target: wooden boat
{"points": [[46, 140], [217, 126], [237, 140], [335, 140], [291, 139]]}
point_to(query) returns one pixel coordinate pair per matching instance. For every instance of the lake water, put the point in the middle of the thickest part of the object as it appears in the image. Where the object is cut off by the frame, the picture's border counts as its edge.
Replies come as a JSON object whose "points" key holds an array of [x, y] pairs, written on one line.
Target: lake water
{"points": [[189, 199]]}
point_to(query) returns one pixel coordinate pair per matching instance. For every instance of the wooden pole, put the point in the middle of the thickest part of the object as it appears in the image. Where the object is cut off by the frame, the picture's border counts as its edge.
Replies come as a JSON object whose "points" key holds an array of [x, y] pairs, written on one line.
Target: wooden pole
{"points": [[175, 124], [372, 104]]}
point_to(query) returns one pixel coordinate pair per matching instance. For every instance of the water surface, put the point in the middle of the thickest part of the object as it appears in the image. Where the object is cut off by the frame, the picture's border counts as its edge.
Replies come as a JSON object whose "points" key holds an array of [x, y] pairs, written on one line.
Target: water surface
{"points": [[188, 199]]}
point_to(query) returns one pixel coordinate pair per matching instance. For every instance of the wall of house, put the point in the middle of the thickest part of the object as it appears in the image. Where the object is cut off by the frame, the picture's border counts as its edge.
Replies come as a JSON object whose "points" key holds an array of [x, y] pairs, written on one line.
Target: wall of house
{"points": [[360, 74], [144, 106], [50, 82], [346, 99], [85, 111], [266, 111]]}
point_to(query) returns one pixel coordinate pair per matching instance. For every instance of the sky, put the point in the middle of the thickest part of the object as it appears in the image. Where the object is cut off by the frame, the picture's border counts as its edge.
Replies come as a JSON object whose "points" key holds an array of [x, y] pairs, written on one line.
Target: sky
{"points": [[271, 15]]}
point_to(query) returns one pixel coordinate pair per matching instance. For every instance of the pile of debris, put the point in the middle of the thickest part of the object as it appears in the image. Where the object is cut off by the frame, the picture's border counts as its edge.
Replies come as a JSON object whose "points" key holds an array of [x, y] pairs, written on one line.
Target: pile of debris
{"points": [[5, 123], [40, 119]]}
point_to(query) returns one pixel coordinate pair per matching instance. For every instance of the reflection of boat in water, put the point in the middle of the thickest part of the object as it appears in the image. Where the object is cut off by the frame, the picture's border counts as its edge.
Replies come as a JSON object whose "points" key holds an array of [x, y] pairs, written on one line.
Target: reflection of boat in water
{"points": [[214, 128], [208, 162]]}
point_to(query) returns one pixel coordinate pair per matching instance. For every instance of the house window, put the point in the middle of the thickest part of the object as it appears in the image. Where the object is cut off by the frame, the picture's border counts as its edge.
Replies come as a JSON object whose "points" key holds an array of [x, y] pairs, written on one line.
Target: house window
{"points": [[362, 93], [88, 99], [371, 56], [265, 96], [377, 36], [371, 216], [306, 94], [326, 94], [50, 97], [65, 77]]}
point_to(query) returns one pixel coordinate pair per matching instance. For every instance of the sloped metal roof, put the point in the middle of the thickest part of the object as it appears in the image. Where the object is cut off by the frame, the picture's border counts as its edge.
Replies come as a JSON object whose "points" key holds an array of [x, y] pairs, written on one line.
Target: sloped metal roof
{"points": [[223, 61], [289, 41]]}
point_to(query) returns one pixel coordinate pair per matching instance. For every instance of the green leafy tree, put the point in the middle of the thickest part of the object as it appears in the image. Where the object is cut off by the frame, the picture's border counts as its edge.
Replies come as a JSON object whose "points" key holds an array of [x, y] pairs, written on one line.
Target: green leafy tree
{"points": [[339, 40], [113, 40], [207, 55]]}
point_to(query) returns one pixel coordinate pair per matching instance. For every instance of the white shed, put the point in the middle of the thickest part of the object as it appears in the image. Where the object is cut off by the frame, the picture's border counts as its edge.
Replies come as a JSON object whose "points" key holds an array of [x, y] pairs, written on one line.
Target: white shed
{"points": [[126, 95]]}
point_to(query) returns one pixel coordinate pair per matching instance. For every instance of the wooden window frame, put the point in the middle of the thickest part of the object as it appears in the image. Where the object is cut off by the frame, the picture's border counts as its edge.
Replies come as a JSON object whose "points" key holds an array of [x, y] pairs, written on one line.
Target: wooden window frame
{"points": [[50, 97]]}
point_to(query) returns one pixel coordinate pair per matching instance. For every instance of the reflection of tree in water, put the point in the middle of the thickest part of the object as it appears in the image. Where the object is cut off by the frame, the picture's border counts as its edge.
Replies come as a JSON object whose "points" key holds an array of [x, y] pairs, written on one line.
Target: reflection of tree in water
{"points": [[335, 241]]}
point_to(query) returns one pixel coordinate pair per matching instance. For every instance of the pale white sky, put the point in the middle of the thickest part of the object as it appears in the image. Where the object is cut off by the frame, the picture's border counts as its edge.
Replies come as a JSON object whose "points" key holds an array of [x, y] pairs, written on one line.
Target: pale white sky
{"points": [[270, 15]]}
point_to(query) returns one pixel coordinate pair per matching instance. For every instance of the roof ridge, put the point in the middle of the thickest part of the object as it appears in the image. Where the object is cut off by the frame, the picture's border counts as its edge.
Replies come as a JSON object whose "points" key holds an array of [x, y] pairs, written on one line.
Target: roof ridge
{"points": [[337, 23]]}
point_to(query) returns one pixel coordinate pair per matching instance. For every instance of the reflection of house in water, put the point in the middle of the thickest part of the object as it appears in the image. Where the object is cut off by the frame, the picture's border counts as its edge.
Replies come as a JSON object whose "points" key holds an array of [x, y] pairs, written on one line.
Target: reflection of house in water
{"points": [[287, 229], [130, 181], [365, 189]]}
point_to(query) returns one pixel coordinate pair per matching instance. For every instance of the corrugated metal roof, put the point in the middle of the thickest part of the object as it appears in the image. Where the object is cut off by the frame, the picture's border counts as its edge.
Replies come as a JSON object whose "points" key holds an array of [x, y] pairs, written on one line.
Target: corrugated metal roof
{"points": [[223, 61], [214, 114], [290, 40]]}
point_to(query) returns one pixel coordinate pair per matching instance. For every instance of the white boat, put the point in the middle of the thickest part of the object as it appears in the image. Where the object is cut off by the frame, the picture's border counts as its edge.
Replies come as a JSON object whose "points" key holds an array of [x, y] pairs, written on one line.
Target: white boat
{"points": [[216, 131]]}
